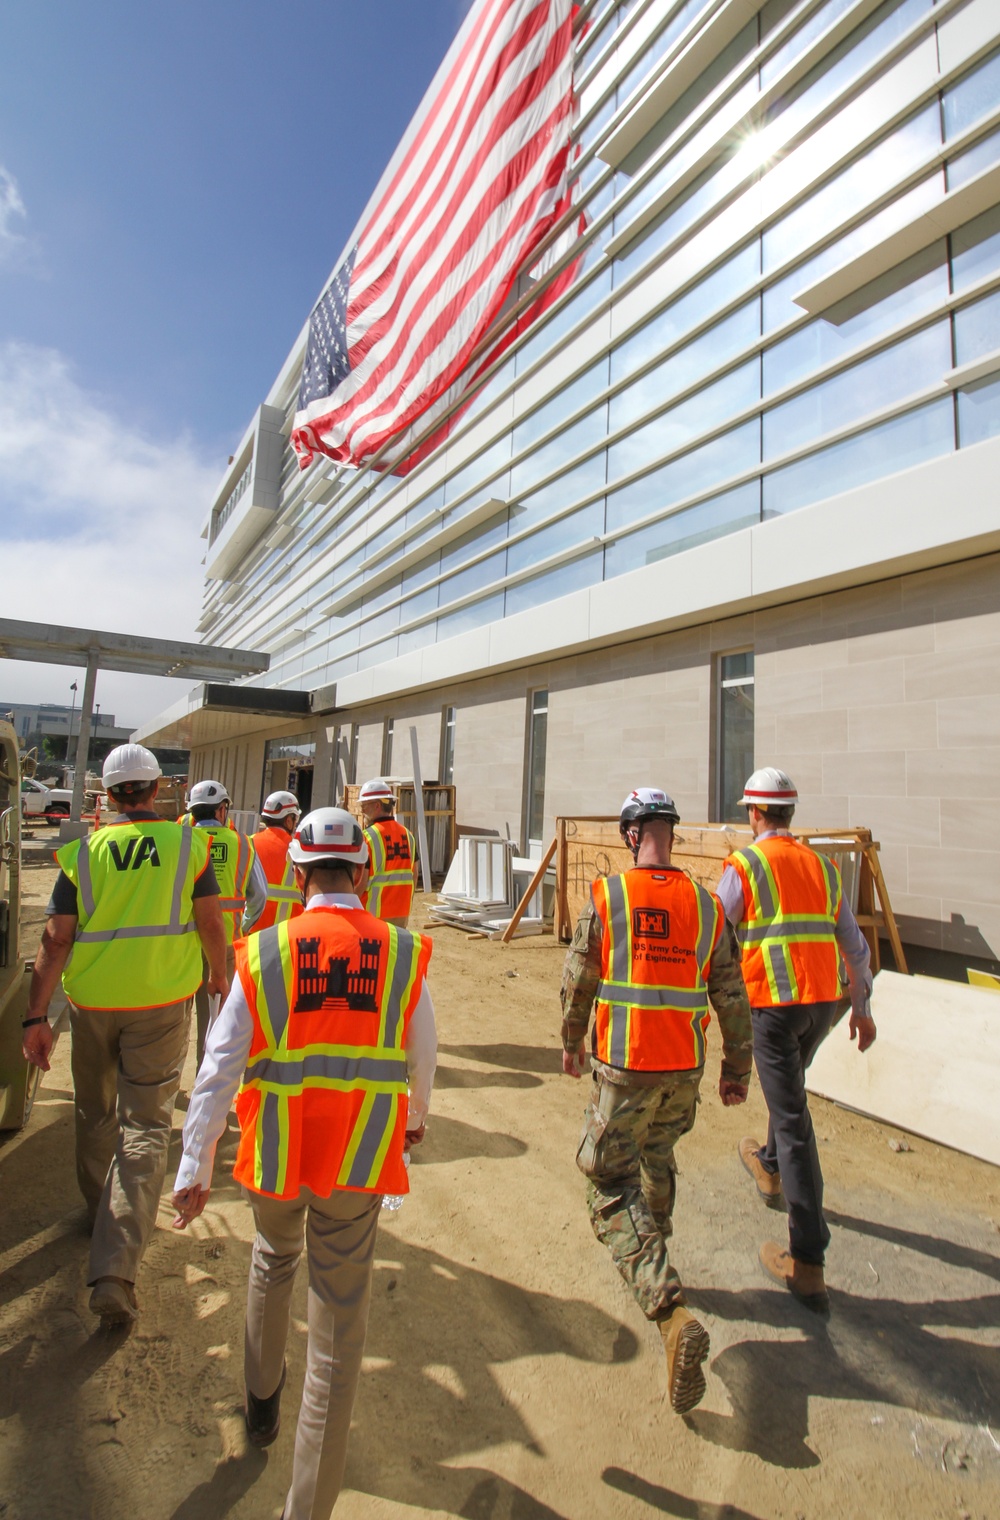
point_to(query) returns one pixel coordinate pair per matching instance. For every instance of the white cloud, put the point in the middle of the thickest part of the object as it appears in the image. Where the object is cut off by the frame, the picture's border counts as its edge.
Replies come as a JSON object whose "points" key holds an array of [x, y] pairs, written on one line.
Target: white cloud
{"points": [[12, 212], [99, 524]]}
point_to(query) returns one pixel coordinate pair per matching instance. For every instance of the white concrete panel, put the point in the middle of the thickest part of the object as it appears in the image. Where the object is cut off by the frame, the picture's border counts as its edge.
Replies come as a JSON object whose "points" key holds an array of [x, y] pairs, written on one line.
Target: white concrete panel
{"points": [[713, 578], [558, 626], [934, 1068], [966, 33]]}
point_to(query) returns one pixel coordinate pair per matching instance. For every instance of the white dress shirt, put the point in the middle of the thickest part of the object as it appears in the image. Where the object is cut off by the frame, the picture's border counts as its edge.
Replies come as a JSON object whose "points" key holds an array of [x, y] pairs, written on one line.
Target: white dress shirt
{"points": [[228, 1046], [850, 941]]}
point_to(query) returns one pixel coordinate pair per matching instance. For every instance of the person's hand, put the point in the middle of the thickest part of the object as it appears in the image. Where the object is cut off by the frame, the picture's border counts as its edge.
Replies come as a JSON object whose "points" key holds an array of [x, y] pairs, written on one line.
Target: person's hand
{"points": [[188, 1203], [414, 1136], [573, 1060], [863, 1025], [36, 1044], [217, 986], [732, 1093]]}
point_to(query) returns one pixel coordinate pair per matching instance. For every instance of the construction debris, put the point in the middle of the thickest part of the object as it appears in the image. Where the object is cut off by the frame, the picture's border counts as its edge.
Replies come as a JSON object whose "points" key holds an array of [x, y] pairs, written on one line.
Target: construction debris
{"points": [[485, 887]]}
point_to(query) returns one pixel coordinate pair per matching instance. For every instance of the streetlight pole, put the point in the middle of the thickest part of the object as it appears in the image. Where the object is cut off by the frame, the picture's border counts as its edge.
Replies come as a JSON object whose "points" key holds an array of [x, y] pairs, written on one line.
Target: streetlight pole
{"points": [[72, 710]]}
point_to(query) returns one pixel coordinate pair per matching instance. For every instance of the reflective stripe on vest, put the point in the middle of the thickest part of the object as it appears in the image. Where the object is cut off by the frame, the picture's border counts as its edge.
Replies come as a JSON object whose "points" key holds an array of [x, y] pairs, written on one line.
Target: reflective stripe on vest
{"points": [[232, 874], [284, 900], [390, 888], [635, 1029], [134, 882], [780, 963], [290, 1079]]}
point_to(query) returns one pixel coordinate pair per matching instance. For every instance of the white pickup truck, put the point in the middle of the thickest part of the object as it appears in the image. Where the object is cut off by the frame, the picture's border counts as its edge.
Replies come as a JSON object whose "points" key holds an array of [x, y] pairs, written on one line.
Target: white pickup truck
{"points": [[38, 800]]}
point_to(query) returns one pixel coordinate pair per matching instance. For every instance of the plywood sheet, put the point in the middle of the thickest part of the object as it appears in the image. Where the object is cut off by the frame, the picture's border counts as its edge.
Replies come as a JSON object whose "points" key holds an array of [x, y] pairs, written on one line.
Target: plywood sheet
{"points": [[934, 1069]]}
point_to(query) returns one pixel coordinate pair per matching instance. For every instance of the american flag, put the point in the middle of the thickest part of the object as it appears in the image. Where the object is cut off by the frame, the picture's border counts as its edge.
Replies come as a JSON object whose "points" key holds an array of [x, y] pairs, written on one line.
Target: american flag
{"points": [[480, 179]]}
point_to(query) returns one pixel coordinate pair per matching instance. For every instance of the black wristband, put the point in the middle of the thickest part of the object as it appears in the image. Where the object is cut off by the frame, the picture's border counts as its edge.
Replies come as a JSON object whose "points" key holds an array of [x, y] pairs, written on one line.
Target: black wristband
{"points": [[27, 1023]]}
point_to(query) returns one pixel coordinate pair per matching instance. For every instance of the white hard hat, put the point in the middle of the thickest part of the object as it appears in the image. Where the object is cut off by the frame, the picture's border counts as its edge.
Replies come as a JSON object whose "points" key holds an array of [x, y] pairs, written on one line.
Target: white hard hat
{"points": [[208, 794], [280, 805], [769, 787], [328, 836], [646, 802], [376, 791], [130, 762]]}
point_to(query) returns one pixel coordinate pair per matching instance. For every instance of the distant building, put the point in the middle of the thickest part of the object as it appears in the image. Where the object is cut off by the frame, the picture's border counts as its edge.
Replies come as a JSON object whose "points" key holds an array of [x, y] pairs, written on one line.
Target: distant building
{"points": [[52, 719], [734, 502]]}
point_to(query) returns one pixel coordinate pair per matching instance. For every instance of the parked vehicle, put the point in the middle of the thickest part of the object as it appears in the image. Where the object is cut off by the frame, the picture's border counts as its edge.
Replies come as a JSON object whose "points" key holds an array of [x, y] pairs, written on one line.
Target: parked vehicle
{"points": [[39, 800]]}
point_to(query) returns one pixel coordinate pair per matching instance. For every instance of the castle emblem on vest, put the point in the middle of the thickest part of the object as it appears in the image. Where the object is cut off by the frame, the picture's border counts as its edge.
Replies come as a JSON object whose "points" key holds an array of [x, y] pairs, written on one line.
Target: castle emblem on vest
{"points": [[346, 983]]}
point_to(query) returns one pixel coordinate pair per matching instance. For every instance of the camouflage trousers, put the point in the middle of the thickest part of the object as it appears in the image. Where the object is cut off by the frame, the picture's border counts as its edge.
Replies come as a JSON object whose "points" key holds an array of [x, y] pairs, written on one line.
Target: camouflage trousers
{"points": [[627, 1154]]}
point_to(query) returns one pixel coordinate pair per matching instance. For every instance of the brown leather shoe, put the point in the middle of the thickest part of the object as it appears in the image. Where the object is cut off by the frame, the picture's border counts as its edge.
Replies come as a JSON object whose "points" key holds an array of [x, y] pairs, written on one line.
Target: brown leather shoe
{"points": [[799, 1277], [687, 1345], [768, 1183]]}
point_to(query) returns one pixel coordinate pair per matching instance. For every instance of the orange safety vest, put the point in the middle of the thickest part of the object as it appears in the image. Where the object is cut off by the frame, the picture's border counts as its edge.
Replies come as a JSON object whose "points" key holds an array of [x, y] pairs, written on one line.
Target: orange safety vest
{"points": [[660, 930], [323, 1100], [791, 902], [283, 897], [391, 854]]}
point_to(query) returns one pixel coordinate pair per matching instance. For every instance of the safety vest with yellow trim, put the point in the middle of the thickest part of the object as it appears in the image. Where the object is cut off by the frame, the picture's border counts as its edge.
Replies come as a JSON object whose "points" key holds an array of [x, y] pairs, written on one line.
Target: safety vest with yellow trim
{"points": [[659, 932], [284, 900], [323, 1100], [791, 902], [136, 945], [232, 857], [391, 854]]}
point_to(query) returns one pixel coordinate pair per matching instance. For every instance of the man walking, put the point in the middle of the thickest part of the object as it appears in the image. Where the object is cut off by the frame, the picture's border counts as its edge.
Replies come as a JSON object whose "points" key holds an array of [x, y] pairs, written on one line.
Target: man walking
{"points": [[649, 950], [391, 855], [787, 905], [134, 908], [328, 1020], [278, 817], [242, 883]]}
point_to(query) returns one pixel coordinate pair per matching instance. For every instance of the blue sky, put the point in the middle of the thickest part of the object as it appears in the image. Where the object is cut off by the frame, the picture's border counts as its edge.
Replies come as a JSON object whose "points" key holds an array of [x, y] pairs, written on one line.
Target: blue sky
{"points": [[176, 182]]}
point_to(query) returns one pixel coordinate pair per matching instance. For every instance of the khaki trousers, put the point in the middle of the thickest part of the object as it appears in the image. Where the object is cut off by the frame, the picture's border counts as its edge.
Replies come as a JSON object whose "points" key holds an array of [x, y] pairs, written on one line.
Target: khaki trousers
{"points": [[126, 1071], [201, 999], [339, 1236]]}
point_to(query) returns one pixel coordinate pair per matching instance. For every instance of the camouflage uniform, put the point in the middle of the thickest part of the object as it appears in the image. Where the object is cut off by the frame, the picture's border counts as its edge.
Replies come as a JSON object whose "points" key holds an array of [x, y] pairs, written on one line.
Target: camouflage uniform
{"points": [[634, 1119]]}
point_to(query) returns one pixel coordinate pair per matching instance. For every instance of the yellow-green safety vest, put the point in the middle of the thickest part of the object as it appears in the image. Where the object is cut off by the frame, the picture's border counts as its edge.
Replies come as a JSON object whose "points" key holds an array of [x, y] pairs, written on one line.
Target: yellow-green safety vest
{"points": [[135, 945], [232, 859]]}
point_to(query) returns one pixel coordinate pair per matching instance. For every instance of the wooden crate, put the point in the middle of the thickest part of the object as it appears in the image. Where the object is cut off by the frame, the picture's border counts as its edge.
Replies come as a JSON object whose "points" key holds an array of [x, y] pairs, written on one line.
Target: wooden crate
{"points": [[439, 811], [590, 847]]}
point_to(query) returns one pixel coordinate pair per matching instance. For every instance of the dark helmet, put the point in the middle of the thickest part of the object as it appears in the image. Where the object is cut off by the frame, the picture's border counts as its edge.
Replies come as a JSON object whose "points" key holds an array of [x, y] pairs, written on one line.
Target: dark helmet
{"points": [[646, 802]]}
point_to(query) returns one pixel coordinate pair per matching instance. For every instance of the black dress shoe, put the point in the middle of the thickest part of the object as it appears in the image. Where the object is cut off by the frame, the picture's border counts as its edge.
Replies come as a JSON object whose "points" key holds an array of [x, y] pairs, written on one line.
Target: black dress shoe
{"points": [[263, 1416]]}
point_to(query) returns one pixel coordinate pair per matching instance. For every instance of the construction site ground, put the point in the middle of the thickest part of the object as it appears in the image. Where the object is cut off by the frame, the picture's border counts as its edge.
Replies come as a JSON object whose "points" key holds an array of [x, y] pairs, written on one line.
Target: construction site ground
{"points": [[509, 1375]]}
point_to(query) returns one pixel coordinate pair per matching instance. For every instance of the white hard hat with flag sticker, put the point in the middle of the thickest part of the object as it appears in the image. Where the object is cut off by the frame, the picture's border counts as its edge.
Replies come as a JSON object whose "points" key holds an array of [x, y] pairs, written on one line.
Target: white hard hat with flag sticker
{"points": [[769, 787], [328, 836], [280, 805]]}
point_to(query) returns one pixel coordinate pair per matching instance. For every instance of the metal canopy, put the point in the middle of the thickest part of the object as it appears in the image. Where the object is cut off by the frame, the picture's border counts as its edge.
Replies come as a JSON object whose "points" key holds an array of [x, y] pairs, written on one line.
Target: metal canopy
{"points": [[51, 644]]}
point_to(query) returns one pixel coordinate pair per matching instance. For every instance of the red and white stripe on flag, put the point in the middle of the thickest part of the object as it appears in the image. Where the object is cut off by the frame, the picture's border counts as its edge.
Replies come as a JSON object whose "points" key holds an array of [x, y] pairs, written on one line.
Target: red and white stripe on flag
{"points": [[481, 181]]}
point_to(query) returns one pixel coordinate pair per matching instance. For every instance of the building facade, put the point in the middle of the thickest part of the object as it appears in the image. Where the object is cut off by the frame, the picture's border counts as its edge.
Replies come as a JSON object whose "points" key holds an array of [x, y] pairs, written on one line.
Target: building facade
{"points": [[732, 502]]}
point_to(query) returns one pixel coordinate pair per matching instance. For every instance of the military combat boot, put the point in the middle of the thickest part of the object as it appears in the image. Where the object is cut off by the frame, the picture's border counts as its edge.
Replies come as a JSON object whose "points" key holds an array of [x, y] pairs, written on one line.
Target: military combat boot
{"points": [[687, 1345], [799, 1277], [768, 1183], [263, 1416]]}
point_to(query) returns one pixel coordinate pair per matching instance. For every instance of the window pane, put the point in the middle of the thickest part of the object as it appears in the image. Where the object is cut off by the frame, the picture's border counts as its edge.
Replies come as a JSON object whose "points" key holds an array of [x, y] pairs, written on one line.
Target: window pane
{"points": [[481, 574], [576, 528], [697, 471], [729, 280], [478, 469], [973, 161], [474, 616], [892, 298], [882, 450], [876, 382], [774, 13], [977, 328], [975, 249], [974, 95], [569, 486], [671, 430], [685, 366], [536, 763], [735, 666], [574, 576], [736, 746], [572, 440], [684, 530], [568, 399], [979, 412]]}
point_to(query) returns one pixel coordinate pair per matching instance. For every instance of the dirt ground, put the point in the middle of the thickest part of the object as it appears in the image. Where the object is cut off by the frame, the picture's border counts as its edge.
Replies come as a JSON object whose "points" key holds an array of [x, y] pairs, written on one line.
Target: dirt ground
{"points": [[509, 1375]]}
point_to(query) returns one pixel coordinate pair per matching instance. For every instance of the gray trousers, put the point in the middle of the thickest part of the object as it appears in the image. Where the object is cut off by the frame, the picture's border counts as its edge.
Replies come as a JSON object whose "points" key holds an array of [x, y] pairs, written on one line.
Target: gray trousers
{"points": [[126, 1071], [785, 1039], [339, 1236]]}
